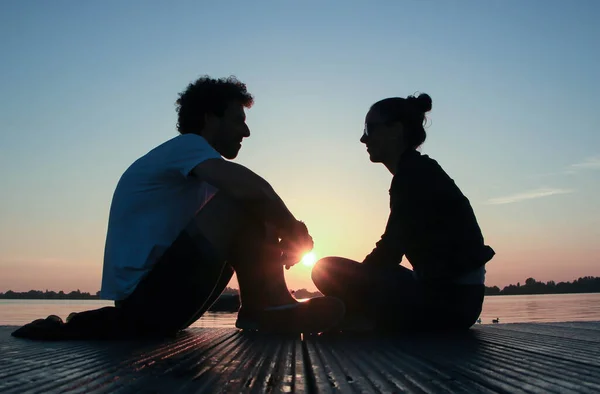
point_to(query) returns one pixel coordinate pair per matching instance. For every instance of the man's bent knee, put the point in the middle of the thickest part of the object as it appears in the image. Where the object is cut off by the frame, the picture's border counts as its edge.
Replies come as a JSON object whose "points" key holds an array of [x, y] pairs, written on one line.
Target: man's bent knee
{"points": [[233, 230], [220, 221]]}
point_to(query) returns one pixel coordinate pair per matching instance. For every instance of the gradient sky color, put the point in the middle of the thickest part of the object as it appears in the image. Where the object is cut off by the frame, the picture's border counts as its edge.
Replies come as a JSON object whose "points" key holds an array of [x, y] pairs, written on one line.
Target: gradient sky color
{"points": [[88, 87]]}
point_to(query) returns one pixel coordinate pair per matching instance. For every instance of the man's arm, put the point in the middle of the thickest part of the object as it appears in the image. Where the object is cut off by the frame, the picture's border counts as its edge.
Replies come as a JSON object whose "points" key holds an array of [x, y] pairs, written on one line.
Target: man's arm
{"points": [[251, 190]]}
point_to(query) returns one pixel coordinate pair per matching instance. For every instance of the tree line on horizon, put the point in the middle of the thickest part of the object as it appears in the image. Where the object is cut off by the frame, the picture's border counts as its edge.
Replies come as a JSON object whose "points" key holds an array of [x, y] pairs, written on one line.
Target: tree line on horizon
{"points": [[586, 284], [61, 295]]}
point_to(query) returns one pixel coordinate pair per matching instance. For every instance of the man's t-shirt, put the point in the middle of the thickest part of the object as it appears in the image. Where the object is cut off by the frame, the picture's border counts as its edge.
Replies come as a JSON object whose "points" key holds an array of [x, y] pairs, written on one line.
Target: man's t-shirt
{"points": [[154, 200]]}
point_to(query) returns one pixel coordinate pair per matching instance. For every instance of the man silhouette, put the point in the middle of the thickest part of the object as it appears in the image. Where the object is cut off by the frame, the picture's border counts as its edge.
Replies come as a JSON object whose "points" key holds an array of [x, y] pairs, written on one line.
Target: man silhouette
{"points": [[182, 220]]}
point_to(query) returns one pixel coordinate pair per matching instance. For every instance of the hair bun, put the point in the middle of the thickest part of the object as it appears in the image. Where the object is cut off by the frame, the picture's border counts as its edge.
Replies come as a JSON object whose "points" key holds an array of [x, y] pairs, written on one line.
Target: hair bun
{"points": [[423, 102]]}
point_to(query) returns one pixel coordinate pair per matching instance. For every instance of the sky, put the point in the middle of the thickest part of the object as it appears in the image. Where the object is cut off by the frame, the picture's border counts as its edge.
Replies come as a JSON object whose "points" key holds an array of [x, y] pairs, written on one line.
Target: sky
{"points": [[88, 87]]}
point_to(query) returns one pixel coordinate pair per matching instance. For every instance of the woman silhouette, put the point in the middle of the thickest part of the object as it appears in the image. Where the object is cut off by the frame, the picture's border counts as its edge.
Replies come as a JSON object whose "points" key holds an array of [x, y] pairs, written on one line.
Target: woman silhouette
{"points": [[431, 223]]}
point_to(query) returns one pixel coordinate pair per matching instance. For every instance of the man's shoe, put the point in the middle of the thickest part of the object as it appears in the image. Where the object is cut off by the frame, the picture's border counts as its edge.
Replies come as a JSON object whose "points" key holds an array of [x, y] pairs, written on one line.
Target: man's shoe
{"points": [[312, 316], [71, 315], [48, 329]]}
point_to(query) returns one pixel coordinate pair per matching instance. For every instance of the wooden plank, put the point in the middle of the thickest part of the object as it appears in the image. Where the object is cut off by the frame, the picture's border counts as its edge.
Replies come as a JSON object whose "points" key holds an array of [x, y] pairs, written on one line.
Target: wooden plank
{"points": [[586, 334], [560, 348], [88, 365], [359, 364], [197, 360], [505, 369], [579, 325], [465, 363], [502, 358]]}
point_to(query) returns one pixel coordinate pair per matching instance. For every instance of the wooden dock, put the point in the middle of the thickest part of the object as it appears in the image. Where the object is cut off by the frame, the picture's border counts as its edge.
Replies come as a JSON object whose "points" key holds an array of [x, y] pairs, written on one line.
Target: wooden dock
{"points": [[499, 358]]}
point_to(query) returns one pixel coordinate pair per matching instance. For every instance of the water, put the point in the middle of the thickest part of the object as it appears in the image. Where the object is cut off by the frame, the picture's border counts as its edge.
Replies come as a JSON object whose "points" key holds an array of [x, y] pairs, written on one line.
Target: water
{"points": [[19, 312], [541, 308], [509, 309]]}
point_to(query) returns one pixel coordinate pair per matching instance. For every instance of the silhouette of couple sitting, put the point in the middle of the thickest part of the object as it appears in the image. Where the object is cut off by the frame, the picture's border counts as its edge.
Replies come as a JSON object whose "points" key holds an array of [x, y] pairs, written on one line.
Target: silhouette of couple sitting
{"points": [[183, 220]]}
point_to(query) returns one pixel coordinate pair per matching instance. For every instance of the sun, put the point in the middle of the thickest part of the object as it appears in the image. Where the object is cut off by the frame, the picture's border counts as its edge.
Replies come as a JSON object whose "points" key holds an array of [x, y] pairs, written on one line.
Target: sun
{"points": [[309, 259]]}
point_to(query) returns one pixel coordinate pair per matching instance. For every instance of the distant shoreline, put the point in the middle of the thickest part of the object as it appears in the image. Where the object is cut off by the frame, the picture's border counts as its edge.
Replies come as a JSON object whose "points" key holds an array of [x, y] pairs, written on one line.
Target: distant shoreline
{"points": [[522, 294], [587, 284], [228, 301], [95, 298]]}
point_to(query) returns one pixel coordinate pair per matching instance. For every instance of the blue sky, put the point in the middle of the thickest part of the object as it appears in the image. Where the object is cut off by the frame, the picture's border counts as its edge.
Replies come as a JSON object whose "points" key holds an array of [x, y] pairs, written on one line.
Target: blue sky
{"points": [[87, 87]]}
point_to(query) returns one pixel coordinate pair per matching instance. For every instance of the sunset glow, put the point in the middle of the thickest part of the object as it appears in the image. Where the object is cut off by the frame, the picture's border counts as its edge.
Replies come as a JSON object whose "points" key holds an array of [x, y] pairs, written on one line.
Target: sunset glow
{"points": [[536, 204], [309, 259]]}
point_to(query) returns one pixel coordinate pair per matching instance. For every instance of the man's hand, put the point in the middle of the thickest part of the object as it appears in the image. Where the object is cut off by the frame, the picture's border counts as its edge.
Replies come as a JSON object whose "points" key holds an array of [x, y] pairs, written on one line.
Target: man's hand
{"points": [[295, 243]]}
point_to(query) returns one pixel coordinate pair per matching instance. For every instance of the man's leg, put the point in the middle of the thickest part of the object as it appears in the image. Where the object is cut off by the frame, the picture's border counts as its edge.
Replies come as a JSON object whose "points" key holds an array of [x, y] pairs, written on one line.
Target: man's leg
{"points": [[252, 249], [192, 273], [195, 270], [256, 259], [181, 286]]}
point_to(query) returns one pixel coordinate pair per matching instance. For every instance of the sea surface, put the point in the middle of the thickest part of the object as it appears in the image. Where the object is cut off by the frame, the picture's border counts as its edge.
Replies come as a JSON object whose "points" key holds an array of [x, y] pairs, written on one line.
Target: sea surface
{"points": [[508, 309]]}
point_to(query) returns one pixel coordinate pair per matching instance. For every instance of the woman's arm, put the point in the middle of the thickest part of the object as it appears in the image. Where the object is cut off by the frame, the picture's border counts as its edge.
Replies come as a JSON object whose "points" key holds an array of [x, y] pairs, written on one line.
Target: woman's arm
{"points": [[390, 248]]}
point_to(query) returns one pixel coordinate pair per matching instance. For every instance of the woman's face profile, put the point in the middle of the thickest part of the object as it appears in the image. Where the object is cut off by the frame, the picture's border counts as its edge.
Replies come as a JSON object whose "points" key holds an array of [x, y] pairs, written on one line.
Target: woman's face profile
{"points": [[382, 139]]}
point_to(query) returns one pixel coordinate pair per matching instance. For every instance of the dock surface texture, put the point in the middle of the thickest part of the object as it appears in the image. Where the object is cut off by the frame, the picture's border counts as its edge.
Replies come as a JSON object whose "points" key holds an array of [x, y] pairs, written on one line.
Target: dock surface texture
{"points": [[498, 358]]}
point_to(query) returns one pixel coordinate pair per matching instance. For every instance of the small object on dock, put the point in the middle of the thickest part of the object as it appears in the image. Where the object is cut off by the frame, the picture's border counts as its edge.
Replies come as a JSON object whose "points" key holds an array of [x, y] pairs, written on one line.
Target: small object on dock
{"points": [[496, 320]]}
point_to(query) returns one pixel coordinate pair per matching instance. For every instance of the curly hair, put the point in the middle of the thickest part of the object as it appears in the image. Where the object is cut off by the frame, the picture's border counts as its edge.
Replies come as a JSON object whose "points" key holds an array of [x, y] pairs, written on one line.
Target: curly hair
{"points": [[208, 96]]}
